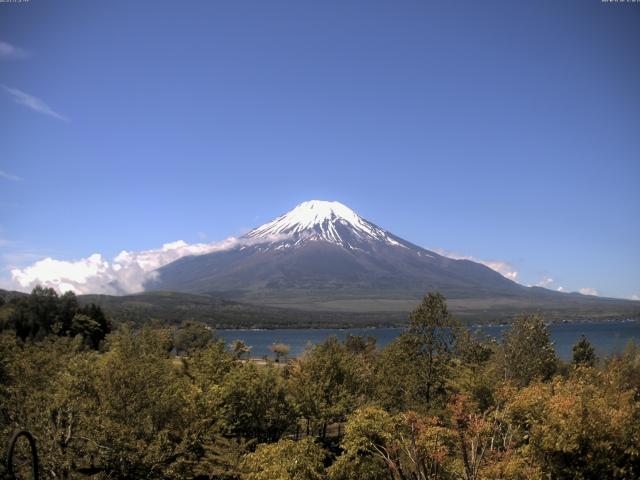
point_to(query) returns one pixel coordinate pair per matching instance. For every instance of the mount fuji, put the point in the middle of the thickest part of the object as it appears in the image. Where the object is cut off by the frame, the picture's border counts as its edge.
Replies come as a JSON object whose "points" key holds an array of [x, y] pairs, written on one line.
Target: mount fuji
{"points": [[323, 256]]}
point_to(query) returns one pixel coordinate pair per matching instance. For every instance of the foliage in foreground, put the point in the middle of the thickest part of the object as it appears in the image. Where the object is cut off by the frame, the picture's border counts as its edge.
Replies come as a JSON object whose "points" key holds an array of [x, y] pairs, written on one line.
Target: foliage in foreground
{"points": [[437, 403]]}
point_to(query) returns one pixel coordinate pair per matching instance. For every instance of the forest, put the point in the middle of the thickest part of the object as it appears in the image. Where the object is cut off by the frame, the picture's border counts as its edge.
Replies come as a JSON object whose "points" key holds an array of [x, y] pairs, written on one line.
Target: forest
{"points": [[107, 400]]}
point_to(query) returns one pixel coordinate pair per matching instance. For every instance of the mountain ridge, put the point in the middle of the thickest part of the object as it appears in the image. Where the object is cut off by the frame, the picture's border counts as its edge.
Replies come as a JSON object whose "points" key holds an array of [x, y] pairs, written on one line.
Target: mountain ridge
{"points": [[324, 256]]}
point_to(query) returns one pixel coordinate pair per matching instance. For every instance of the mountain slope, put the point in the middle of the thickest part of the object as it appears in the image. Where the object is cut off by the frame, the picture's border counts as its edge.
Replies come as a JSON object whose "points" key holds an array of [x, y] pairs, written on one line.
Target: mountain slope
{"points": [[323, 256]]}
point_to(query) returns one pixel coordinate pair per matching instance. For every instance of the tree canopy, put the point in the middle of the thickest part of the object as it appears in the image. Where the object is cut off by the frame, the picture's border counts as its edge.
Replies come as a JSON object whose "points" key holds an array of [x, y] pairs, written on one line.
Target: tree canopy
{"points": [[44, 313], [437, 403]]}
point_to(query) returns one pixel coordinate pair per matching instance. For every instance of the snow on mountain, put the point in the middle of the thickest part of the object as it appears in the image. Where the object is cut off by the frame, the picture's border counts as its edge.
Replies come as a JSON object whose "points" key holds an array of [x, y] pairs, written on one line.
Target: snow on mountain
{"points": [[324, 248], [318, 220]]}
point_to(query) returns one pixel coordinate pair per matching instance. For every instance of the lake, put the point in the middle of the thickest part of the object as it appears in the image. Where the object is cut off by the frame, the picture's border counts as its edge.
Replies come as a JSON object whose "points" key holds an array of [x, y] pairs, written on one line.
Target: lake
{"points": [[606, 337]]}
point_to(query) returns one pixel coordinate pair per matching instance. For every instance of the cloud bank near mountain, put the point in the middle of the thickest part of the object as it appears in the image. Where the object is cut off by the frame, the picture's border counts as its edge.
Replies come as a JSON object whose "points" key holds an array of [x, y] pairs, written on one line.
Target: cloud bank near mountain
{"points": [[503, 268], [126, 273]]}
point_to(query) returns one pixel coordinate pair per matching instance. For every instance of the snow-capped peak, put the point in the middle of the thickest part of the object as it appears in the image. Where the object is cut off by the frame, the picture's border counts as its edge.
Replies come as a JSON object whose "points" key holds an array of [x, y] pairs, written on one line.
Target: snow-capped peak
{"points": [[313, 212], [323, 221]]}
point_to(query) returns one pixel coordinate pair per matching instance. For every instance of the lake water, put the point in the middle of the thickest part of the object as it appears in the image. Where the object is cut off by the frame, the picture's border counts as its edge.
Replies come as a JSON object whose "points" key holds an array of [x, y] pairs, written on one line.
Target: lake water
{"points": [[606, 337]]}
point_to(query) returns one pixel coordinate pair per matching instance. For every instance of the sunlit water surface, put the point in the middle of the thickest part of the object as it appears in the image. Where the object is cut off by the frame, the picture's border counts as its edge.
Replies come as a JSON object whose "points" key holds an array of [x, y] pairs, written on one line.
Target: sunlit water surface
{"points": [[606, 337]]}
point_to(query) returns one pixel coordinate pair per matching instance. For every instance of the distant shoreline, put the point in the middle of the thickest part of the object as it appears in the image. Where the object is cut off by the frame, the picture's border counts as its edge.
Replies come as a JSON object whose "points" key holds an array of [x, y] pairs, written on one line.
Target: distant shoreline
{"points": [[396, 326], [606, 336]]}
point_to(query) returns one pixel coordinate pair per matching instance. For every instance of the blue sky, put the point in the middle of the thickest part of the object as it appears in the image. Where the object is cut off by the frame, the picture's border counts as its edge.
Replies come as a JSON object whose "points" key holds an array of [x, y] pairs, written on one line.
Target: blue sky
{"points": [[503, 131]]}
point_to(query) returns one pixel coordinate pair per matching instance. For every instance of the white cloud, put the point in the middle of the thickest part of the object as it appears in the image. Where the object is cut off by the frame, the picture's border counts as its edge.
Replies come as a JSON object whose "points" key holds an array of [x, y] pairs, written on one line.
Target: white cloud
{"points": [[635, 297], [126, 273], [33, 103], [9, 52], [545, 282], [589, 291], [502, 267], [8, 176], [548, 282]]}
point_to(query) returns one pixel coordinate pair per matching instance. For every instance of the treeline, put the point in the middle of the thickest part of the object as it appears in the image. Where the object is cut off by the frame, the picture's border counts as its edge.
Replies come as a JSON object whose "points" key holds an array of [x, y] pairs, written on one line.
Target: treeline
{"points": [[436, 403], [44, 313], [174, 308]]}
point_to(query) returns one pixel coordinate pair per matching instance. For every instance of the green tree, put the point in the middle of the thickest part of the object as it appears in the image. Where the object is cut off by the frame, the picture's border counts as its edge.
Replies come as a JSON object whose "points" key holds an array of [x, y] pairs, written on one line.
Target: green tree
{"points": [[360, 345], [221, 458], [626, 366], [286, 460], [328, 383], [43, 313], [436, 332], [208, 367], [528, 352], [473, 372], [377, 444], [35, 316], [96, 313], [87, 328], [67, 307], [586, 426], [583, 353], [254, 403], [240, 348], [143, 411], [42, 393], [401, 375], [191, 336]]}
